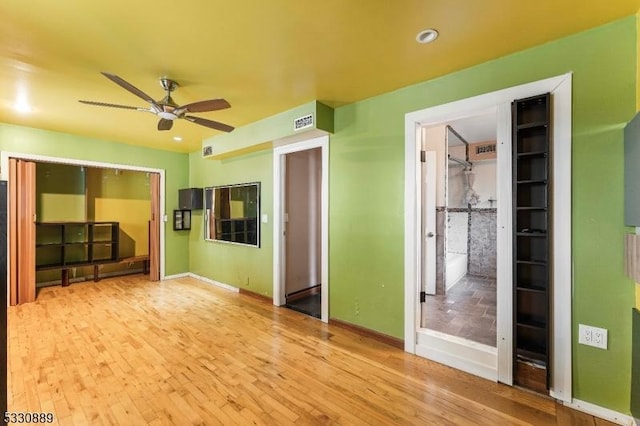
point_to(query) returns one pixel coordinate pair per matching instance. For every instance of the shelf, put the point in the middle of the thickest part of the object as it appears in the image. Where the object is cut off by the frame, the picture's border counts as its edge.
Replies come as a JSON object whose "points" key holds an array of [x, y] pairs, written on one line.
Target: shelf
{"points": [[531, 224], [531, 355], [531, 234], [532, 262], [181, 220], [532, 289], [532, 182], [46, 266], [531, 323], [49, 245], [75, 264], [239, 230], [533, 125], [534, 154], [73, 244]]}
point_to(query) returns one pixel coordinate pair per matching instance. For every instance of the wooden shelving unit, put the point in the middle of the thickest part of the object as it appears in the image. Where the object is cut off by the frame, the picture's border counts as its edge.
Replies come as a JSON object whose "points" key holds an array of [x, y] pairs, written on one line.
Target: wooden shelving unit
{"points": [[64, 245], [531, 241]]}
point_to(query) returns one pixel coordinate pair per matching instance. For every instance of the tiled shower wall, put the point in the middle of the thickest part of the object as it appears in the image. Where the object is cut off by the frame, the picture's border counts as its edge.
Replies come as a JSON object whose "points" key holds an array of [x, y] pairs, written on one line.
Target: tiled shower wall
{"points": [[482, 242], [477, 237], [457, 231], [441, 270]]}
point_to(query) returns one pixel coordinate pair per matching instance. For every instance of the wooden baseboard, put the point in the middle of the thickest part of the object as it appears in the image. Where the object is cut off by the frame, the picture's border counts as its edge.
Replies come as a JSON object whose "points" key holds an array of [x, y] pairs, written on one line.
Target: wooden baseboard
{"points": [[380, 337], [258, 296]]}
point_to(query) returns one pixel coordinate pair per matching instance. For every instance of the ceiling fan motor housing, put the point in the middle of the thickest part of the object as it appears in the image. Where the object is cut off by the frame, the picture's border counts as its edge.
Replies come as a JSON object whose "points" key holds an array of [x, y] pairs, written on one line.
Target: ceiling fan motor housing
{"points": [[168, 84]]}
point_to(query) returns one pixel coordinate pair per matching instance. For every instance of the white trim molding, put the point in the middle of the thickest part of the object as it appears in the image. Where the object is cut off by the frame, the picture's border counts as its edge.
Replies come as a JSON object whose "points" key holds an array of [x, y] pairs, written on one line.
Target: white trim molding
{"points": [[438, 346], [504, 243], [601, 412], [208, 281], [176, 276], [562, 277]]}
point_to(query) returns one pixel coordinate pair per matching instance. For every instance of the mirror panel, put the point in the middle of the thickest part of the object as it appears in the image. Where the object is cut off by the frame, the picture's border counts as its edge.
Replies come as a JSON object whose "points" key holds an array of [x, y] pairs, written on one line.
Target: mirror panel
{"points": [[232, 214]]}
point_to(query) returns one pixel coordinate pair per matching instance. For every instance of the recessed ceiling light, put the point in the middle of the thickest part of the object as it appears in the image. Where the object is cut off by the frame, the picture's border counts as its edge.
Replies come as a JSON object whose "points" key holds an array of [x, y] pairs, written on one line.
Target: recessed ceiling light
{"points": [[427, 36], [177, 138]]}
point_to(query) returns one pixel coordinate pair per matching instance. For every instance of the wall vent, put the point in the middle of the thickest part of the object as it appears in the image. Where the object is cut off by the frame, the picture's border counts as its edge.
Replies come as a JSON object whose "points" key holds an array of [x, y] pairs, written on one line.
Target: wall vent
{"points": [[207, 151], [482, 151], [303, 122]]}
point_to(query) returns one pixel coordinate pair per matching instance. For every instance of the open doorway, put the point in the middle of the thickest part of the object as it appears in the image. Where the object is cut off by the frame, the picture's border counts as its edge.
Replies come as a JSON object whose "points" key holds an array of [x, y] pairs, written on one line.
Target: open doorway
{"points": [[302, 201], [83, 245], [460, 298], [301, 227]]}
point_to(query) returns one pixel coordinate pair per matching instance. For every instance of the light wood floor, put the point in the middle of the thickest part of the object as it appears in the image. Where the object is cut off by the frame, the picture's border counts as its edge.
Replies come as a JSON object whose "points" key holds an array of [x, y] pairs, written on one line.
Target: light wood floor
{"points": [[131, 352]]}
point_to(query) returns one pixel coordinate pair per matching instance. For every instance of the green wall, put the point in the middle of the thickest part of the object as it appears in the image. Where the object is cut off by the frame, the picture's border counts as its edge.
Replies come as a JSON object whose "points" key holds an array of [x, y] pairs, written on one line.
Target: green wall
{"points": [[366, 198], [27, 140], [240, 266]]}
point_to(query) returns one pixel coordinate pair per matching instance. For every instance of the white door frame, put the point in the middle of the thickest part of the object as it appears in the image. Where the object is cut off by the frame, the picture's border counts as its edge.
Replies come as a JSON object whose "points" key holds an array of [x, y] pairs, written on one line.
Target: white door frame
{"points": [[4, 167], [562, 278], [429, 234], [279, 256]]}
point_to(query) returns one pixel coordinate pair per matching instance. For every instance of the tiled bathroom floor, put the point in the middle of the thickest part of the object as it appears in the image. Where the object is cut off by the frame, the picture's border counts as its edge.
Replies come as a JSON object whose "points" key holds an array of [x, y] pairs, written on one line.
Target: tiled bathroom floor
{"points": [[468, 310]]}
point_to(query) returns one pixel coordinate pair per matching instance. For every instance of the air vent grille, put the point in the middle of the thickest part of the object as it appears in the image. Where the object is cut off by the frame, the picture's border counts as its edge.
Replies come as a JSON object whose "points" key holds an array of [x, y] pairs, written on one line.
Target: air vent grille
{"points": [[303, 122]]}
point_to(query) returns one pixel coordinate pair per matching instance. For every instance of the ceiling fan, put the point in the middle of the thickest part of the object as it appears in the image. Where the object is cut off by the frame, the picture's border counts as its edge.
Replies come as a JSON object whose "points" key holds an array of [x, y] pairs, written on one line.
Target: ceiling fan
{"points": [[166, 108]]}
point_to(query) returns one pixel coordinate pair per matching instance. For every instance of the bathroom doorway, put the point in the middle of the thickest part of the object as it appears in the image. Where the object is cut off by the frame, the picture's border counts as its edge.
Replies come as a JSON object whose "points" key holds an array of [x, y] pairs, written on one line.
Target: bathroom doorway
{"points": [[493, 363], [460, 298]]}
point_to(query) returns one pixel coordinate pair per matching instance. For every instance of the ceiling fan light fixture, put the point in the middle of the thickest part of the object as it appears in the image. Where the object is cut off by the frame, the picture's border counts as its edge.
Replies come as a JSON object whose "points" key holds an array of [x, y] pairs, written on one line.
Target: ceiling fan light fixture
{"points": [[167, 115], [427, 36]]}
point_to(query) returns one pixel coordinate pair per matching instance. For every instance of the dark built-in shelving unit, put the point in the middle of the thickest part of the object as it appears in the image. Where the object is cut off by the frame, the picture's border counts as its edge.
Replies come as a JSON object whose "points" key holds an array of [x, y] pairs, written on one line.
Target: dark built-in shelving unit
{"points": [[62, 245], [531, 240], [238, 230]]}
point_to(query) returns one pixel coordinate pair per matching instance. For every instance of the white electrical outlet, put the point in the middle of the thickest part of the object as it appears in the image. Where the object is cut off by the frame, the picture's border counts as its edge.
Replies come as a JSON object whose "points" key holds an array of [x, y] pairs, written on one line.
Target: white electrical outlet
{"points": [[592, 336]]}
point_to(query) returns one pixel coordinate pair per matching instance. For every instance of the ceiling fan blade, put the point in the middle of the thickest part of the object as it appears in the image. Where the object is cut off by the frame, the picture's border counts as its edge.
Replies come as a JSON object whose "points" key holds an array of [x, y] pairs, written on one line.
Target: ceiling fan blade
{"points": [[205, 106], [130, 87], [209, 123], [105, 104], [164, 124]]}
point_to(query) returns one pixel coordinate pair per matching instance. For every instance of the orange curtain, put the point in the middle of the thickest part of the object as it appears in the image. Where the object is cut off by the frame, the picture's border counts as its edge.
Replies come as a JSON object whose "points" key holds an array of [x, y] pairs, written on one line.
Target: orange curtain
{"points": [[154, 228], [22, 231]]}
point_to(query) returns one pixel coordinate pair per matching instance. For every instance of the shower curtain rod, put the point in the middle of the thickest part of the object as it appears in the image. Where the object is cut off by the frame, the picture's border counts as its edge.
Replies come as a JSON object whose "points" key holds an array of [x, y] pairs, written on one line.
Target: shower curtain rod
{"points": [[459, 161], [457, 135]]}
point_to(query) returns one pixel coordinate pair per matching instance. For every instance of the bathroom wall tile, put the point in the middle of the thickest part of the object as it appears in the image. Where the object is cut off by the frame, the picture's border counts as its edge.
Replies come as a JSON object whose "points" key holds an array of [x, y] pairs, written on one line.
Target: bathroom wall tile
{"points": [[457, 232], [482, 243], [441, 267]]}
